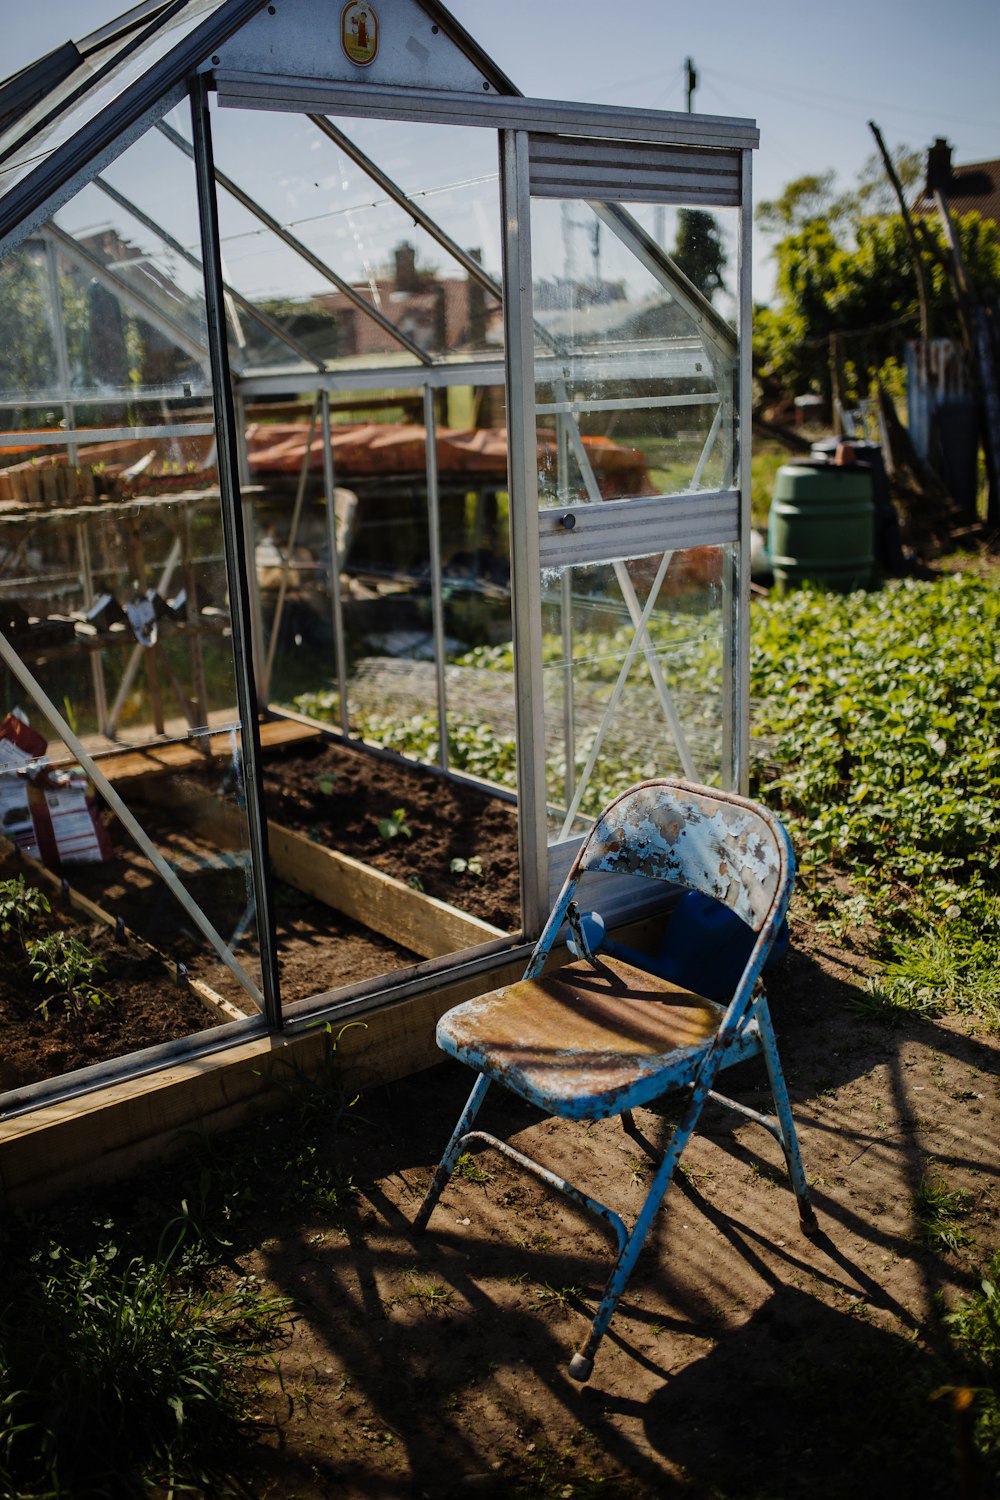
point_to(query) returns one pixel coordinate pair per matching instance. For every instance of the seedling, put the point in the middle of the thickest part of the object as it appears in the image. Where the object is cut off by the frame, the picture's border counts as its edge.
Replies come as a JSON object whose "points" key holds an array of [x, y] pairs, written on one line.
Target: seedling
{"points": [[466, 1167], [68, 967], [18, 902], [473, 866], [395, 825], [326, 784], [432, 1295], [548, 1296]]}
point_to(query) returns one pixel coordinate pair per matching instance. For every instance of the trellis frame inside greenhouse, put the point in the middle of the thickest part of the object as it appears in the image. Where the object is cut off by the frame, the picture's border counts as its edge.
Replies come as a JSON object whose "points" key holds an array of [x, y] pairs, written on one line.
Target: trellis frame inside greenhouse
{"points": [[67, 121]]}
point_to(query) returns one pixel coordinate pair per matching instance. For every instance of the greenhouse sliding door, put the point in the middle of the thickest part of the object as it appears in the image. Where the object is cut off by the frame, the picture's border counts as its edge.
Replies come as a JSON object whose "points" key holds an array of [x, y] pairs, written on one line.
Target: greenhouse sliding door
{"points": [[624, 412]]}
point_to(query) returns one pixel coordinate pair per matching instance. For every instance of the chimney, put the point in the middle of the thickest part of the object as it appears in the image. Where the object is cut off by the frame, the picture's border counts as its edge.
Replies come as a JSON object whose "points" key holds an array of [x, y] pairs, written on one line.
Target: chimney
{"points": [[406, 268], [938, 167], [477, 307]]}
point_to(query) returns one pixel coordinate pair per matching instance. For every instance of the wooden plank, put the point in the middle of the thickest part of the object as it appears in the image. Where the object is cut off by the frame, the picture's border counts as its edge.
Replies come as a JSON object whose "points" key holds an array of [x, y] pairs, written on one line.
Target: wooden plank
{"points": [[422, 923], [425, 925], [114, 1131], [183, 755]]}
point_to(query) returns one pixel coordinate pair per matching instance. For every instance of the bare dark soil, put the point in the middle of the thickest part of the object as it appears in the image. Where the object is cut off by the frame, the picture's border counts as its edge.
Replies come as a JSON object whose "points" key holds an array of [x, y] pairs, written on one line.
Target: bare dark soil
{"points": [[145, 1005], [318, 948], [339, 795]]}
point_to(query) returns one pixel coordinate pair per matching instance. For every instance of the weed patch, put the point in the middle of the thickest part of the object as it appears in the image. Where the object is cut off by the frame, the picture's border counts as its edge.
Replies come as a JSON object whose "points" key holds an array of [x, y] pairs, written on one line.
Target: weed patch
{"points": [[939, 1211], [120, 1375], [974, 1328]]}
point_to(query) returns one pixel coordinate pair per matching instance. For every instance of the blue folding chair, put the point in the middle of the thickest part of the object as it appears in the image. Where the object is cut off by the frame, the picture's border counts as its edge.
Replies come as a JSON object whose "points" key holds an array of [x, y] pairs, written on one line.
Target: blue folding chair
{"points": [[600, 1036]]}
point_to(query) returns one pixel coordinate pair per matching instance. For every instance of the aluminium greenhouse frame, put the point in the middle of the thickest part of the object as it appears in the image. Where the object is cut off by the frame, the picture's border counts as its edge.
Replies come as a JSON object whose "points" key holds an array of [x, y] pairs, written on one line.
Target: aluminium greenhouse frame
{"points": [[602, 155]]}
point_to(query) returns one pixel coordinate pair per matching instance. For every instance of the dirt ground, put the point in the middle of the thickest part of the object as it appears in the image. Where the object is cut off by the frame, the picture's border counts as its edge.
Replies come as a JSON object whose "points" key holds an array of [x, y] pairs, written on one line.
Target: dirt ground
{"points": [[745, 1361]]}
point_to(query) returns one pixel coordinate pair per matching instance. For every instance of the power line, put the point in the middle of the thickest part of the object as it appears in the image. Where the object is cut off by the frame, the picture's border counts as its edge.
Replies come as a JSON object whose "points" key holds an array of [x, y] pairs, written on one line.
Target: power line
{"points": [[807, 96]]}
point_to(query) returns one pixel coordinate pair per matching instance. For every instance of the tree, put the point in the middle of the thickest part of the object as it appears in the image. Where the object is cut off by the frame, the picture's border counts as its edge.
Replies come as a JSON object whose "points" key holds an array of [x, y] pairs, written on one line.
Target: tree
{"points": [[867, 292], [813, 197], [803, 201], [845, 268], [699, 251]]}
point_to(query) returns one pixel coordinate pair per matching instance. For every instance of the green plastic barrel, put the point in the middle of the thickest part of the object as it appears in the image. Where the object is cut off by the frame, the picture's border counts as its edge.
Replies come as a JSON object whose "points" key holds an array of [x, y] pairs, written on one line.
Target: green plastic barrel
{"points": [[821, 526]]}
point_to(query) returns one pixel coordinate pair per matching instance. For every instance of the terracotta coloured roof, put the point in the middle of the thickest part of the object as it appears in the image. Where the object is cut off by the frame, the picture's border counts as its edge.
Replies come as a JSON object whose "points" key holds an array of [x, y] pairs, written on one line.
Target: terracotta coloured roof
{"points": [[973, 186]]}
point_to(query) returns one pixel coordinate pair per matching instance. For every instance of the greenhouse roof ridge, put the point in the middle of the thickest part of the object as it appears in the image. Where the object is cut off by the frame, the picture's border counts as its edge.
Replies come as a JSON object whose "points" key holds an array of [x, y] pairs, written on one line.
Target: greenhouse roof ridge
{"points": [[34, 196], [37, 102]]}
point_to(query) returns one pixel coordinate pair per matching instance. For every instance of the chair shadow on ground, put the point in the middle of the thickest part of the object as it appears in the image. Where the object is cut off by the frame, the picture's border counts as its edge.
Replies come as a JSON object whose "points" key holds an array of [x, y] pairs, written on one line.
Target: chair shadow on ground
{"points": [[808, 1397]]}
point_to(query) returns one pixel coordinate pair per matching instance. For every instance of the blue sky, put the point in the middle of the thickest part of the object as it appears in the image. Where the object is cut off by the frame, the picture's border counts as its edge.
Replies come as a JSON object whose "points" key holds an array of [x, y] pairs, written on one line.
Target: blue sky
{"points": [[811, 75]]}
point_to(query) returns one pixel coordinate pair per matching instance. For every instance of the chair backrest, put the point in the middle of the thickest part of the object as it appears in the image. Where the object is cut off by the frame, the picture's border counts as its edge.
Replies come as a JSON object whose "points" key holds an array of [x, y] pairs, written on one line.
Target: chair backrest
{"points": [[697, 837]]}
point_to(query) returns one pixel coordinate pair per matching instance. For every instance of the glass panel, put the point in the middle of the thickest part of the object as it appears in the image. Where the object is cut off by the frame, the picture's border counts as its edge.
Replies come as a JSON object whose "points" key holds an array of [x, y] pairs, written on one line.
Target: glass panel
{"points": [[319, 193], [624, 703], [117, 650], [31, 137], [635, 374], [634, 396], [404, 644]]}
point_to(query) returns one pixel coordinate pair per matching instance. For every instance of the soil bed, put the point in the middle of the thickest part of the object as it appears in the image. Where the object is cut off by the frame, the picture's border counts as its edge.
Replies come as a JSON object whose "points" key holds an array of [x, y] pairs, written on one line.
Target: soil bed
{"points": [[339, 795], [317, 948], [147, 1004]]}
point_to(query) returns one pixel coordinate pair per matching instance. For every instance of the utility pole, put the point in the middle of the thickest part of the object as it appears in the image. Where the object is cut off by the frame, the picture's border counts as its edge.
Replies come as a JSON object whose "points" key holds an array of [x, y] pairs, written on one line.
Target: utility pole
{"points": [[692, 81]]}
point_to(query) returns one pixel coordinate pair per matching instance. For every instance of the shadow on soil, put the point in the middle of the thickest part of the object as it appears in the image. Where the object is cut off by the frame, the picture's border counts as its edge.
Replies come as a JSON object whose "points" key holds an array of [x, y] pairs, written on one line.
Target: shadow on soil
{"points": [[745, 1363], [806, 1397]]}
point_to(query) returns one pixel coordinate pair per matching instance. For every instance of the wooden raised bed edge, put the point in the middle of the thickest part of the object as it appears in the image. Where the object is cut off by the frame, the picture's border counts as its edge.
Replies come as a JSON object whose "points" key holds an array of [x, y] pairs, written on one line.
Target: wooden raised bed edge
{"points": [[110, 1133], [423, 924], [428, 927]]}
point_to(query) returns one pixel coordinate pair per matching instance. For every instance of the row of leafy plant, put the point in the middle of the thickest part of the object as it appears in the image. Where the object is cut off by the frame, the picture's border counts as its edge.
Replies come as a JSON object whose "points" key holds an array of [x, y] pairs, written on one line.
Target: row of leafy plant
{"points": [[58, 968], [636, 742], [882, 718]]}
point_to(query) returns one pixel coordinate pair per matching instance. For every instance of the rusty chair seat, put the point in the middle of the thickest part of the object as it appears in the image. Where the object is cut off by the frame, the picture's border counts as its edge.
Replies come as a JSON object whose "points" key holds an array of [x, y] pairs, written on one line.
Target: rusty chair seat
{"points": [[580, 1041], [600, 1036]]}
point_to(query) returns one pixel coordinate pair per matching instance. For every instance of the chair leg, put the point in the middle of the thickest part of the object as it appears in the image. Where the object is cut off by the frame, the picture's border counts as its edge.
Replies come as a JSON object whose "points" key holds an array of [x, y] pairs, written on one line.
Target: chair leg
{"points": [[452, 1152], [786, 1124], [582, 1363]]}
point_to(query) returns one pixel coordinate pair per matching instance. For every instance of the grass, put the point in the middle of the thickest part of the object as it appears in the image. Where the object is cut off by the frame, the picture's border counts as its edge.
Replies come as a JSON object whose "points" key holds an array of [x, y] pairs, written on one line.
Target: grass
{"points": [[939, 1211], [548, 1298], [120, 1373]]}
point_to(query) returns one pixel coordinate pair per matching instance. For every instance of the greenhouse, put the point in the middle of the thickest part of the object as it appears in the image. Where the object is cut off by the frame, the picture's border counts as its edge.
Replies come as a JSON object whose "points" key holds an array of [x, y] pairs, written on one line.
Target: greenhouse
{"points": [[373, 506]]}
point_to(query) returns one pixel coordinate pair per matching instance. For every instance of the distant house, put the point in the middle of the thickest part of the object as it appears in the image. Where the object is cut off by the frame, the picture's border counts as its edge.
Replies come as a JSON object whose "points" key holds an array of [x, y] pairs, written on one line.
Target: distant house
{"points": [[973, 186], [436, 312]]}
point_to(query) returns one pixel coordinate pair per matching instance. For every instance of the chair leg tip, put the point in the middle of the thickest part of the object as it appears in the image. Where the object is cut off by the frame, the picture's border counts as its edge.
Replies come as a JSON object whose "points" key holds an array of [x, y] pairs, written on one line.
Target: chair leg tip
{"points": [[809, 1224], [580, 1367]]}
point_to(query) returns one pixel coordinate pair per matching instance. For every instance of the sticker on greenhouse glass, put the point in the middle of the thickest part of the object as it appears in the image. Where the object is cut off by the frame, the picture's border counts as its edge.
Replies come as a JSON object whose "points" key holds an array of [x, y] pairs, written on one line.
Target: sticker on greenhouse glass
{"points": [[359, 32]]}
